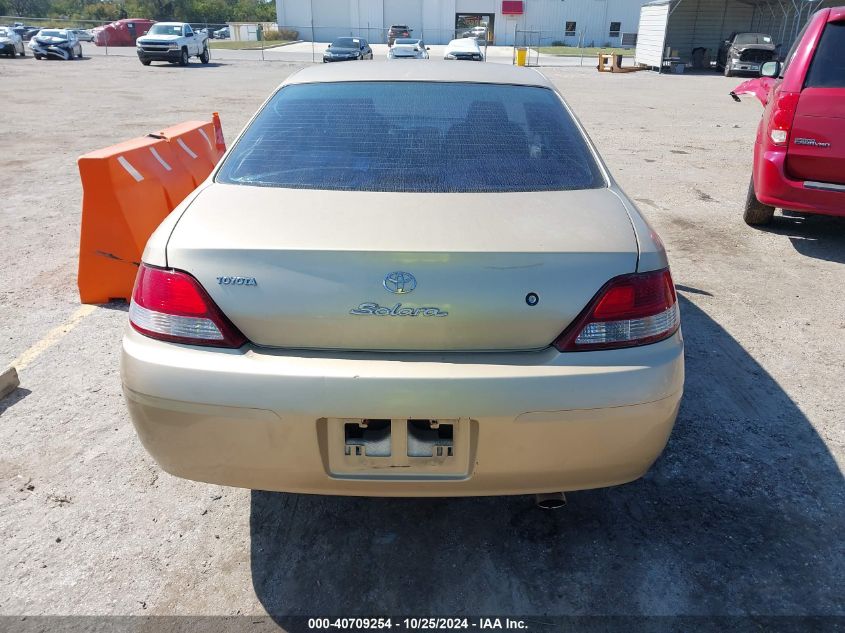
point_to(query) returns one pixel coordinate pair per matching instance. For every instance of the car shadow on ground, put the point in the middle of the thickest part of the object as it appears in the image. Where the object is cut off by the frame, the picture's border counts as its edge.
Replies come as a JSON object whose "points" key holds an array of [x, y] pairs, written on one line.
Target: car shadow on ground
{"points": [[743, 514], [817, 236], [84, 58], [191, 65]]}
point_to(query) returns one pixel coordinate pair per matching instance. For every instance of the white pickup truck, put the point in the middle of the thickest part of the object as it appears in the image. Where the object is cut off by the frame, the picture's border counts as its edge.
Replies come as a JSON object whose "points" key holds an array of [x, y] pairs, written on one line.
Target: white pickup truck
{"points": [[174, 42]]}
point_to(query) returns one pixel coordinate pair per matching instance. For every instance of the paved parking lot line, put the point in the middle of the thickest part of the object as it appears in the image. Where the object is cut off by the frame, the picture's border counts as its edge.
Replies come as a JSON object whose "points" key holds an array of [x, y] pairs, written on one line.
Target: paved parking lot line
{"points": [[51, 338]]}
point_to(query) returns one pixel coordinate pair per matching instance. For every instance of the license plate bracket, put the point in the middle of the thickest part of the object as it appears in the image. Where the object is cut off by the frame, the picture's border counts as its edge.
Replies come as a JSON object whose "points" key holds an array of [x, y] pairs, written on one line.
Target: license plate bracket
{"points": [[398, 448]]}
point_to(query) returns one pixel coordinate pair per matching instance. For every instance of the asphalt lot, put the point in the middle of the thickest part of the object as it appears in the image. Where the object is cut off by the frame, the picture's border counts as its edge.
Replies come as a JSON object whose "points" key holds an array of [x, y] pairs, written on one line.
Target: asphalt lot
{"points": [[742, 515]]}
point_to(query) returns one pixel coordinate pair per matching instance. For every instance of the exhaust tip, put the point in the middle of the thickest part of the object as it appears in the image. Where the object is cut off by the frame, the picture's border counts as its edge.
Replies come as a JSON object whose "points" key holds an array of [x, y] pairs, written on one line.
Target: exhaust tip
{"points": [[550, 500]]}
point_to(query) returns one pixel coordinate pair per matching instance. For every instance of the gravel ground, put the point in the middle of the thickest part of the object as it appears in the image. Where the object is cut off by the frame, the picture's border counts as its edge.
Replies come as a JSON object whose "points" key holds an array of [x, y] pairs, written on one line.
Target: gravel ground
{"points": [[742, 515]]}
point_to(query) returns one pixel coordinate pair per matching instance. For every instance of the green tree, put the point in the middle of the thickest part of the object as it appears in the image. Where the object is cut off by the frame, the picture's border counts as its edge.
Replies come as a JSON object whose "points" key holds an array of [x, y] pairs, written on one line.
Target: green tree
{"points": [[28, 8], [254, 11], [212, 11]]}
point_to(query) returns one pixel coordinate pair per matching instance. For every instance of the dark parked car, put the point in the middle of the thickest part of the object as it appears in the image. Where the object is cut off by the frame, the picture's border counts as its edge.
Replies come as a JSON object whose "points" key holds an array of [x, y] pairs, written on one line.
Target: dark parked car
{"points": [[345, 49], [397, 30], [745, 52], [799, 155], [26, 32]]}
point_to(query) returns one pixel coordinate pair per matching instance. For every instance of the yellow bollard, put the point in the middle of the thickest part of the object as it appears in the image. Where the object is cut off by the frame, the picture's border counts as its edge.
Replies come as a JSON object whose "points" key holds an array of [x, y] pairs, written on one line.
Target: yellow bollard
{"points": [[521, 55]]}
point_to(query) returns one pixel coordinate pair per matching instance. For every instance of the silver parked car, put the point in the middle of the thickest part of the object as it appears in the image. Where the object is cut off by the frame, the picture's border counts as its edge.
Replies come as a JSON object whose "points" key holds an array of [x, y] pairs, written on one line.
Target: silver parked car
{"points": [[388, 315], [59, 43], [11, 43]]}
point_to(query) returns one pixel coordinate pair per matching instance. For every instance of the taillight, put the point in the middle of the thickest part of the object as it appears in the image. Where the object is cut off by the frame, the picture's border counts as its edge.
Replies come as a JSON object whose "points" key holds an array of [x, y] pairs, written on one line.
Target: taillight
{"points": [[629, 310], [783, 113], [171, 305]]}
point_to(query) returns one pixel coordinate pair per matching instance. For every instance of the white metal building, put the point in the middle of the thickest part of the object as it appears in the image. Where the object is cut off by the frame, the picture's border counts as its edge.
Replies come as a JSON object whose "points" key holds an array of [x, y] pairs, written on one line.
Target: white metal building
{"points": [[675, 28], [591, 22]]}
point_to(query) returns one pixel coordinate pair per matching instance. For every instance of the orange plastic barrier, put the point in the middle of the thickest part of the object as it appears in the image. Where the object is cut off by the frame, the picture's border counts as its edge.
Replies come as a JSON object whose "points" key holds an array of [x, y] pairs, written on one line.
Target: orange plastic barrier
{"points": [[195, 146], [127, 190]]}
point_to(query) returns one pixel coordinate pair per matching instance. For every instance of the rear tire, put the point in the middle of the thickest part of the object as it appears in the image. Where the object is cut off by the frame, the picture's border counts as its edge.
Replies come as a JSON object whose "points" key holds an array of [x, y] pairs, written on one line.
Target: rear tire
{"points": [[183, 59], [756, 213], [204, 56], [146, 62]]}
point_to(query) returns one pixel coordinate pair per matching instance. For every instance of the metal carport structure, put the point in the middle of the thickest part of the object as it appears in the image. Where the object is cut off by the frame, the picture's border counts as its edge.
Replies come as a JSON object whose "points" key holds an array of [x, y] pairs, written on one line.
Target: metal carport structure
{"points": [[681, 26]]}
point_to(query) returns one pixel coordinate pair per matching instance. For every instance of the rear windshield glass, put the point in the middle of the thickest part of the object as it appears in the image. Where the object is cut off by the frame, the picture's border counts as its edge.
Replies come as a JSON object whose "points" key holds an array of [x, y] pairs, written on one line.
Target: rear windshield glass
{"points": [[413, 137], [827, 70], [346, 42], [165, 29]]}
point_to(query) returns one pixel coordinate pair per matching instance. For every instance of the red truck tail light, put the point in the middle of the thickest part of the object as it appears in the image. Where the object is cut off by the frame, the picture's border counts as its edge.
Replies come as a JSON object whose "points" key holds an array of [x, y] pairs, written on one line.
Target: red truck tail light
{"points": [[783, 113], [170, 305], [629, 310]]}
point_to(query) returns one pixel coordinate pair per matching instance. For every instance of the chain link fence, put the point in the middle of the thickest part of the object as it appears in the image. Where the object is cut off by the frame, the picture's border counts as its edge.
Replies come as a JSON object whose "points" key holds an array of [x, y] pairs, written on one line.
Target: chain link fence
{"points": [[567, 48], [232, 42]]}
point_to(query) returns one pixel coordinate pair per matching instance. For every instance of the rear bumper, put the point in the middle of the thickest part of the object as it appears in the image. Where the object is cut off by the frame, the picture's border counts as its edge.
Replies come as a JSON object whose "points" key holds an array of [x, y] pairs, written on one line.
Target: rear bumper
{"points": [[775, 188], [531, 422]]}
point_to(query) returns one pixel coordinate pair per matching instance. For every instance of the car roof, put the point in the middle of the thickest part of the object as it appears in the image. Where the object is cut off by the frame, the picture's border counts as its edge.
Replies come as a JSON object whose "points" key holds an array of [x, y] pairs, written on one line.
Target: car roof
{"points": [[464, 42], [420, 71]]}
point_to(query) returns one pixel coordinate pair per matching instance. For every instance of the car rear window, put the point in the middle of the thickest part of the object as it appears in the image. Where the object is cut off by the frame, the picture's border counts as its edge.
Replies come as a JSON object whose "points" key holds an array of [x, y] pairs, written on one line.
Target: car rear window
{"points": [[413, 137], [827, 70]]}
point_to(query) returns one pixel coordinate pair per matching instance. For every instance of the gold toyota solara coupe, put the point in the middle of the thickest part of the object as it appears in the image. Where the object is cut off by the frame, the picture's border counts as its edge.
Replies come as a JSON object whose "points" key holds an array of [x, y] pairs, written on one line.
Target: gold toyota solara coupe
{"points": [[406, 280]]}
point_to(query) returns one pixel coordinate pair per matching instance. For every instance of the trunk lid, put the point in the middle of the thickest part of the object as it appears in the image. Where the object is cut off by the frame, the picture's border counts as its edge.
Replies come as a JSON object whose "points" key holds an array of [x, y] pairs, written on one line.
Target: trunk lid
{"points": [[320, 261], [817, 142]]}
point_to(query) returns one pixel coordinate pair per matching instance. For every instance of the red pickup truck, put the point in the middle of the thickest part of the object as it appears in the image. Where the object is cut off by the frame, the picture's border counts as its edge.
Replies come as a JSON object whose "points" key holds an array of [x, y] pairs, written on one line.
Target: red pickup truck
{"points": [[799, 154]]}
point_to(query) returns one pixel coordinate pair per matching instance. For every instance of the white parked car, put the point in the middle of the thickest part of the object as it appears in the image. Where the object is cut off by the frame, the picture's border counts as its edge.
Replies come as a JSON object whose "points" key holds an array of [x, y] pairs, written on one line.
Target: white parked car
{"points": [[83, 35], [11, 43], [386, 314], [408, 48], [59, 43], [464, 49], [174, 42], [476, 32]]}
